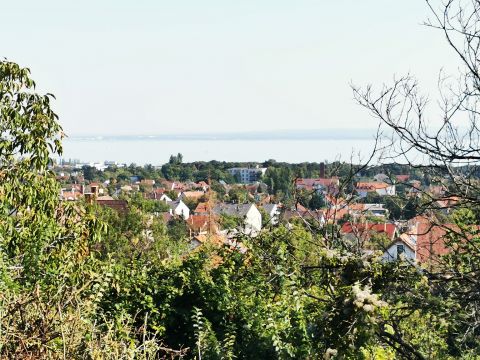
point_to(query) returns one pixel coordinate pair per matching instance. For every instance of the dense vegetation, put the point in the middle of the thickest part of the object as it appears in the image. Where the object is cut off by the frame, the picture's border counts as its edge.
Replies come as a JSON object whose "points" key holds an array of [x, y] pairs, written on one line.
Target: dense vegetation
{"points": [[82, 281]]}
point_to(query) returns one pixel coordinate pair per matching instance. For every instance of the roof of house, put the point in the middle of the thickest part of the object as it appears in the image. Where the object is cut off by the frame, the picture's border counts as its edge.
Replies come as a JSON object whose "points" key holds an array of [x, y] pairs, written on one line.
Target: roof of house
{"points": [[166, 216], [118, 205], [448, 202], [310, 183], [169, 185], [154, 193], [372, 186], [336, 201], [197, 222], [233, 209], [174, 204], [431, 238], [335, 214], [77, 187], [402, 178], [193, 194], [362, 229], [269, 207], [252, 188], [374, 207], [201, 208], [217, 239], [70, 195], [407, 240], [356, 207], [300, 207], [105, 197], [316, 215]]}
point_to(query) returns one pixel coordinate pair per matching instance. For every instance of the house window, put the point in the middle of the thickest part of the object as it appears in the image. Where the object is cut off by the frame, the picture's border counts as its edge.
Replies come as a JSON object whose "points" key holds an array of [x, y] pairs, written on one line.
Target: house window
{"points": [[400, 250]]}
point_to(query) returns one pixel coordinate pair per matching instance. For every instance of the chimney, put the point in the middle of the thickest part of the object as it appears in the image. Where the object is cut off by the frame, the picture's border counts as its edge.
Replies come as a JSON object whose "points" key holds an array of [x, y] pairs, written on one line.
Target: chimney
{"points": [[322, 170]]}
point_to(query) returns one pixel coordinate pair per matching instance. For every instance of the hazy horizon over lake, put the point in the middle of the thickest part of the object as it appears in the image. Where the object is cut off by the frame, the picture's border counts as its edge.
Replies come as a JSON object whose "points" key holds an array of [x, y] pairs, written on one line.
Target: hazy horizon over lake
{"points": [[158, 151]]}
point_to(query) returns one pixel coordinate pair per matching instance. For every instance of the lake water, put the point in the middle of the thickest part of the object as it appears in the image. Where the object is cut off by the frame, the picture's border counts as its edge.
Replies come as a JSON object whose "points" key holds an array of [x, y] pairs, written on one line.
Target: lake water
{"points": [[157, 151]]}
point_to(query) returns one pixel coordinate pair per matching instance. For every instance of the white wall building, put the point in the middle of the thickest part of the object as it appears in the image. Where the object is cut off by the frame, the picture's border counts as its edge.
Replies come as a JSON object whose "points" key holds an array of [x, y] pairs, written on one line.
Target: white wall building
{"points": [[402, 248], [247, 175], [250, 215], [179, 208]]}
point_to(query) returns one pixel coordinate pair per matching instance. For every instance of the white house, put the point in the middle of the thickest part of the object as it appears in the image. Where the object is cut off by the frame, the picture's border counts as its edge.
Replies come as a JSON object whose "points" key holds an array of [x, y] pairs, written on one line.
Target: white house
{"points": [[273, 212], [165, 198], [179, 208], [251, 216], [402, 248]]}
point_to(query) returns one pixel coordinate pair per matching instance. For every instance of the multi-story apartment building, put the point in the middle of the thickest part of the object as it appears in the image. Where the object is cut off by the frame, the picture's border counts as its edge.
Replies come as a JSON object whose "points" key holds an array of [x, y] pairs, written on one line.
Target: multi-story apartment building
{"points": [[247, 175]]}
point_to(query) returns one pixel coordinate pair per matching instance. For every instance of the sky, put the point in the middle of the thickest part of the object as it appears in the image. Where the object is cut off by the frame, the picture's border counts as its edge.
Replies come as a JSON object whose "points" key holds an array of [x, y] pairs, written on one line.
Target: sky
{"points": [[160, 67]]}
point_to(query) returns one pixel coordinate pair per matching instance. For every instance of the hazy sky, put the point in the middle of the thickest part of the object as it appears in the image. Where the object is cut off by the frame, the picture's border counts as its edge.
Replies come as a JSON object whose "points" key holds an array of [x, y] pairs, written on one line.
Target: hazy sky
{"points": [[155, 66]]}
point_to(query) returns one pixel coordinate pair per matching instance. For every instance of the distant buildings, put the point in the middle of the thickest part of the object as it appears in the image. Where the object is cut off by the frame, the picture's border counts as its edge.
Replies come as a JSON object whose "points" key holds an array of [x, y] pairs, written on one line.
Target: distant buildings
{"points": [[326, 185], [381, 188], [247, 175]]}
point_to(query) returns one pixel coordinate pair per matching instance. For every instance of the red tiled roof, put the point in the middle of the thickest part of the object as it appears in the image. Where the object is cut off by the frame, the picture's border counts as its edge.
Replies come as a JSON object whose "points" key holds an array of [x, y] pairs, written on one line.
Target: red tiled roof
{"points": [[317, 181], [362, 228], [335, 201], [301, 208], [118, 205], [448, 202], [193, 194], [148, 182], [167, 216], [431, 238], [335, 214], [197, 222], [372, 186], [356, 207], [306, 214], [70, 195], [431, 241], [202, 208], [402, 178], [155, 193], [311, 183]]}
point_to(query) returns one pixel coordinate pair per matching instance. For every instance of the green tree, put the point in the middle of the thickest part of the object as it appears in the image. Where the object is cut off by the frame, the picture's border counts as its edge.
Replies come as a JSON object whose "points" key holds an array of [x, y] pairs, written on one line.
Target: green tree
{"points": [[45, 243], [238, 195], [317, 201]]}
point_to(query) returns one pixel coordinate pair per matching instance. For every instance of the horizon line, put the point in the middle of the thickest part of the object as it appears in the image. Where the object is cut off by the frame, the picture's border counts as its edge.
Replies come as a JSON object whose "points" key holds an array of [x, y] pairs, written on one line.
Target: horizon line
{"points": [[283, 134]]}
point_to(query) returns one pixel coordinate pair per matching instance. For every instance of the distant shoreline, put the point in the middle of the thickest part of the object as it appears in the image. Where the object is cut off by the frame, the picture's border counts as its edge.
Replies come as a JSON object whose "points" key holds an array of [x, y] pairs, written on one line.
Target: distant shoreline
{"points": [[331, 134]]}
